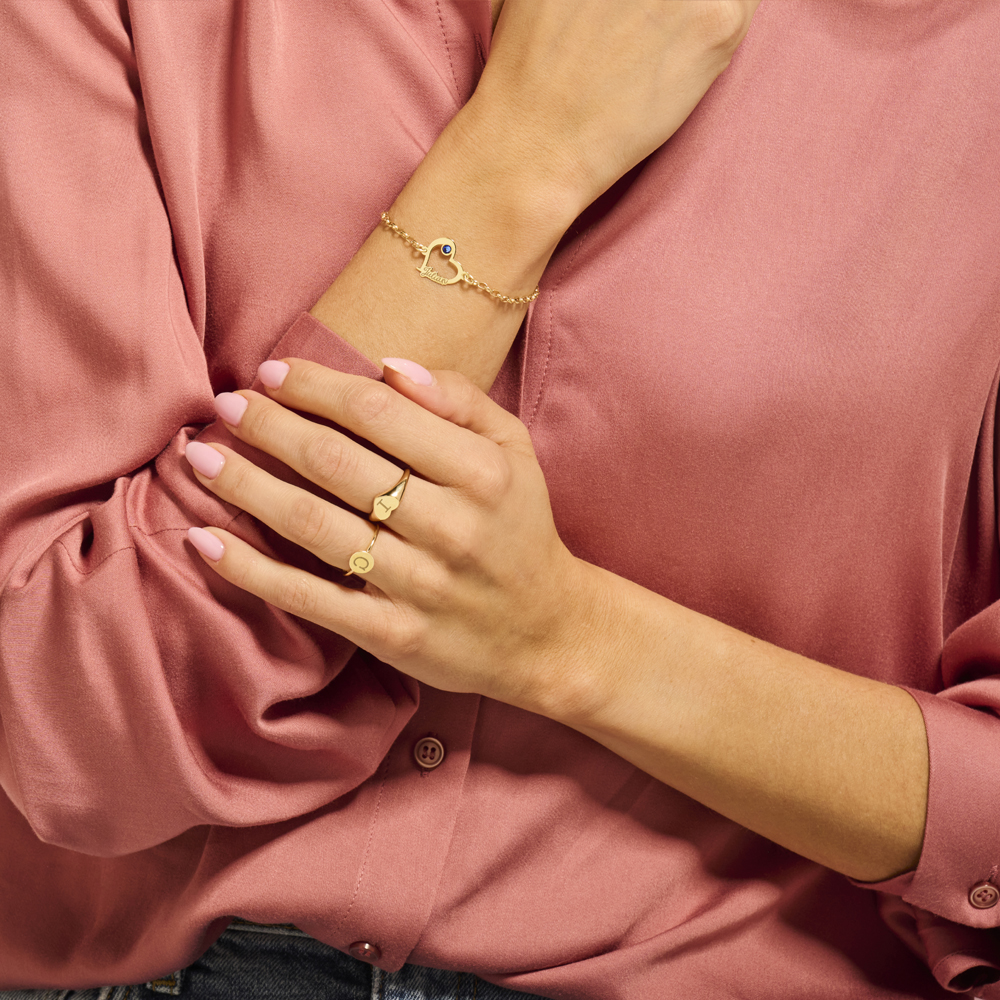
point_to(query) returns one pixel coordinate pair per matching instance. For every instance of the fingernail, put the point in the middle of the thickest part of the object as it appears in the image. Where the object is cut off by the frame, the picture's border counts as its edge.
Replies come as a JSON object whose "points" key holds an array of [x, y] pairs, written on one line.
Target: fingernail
{"points": [[413, 371], [206, 460], [206, 543], [230, 407], [272, 373]]}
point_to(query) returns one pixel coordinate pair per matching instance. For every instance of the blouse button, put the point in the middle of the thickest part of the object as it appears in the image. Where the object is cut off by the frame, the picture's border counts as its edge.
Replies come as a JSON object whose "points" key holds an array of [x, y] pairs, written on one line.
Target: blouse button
{"points": [[366, 951], [983, 895], [429, 753]]}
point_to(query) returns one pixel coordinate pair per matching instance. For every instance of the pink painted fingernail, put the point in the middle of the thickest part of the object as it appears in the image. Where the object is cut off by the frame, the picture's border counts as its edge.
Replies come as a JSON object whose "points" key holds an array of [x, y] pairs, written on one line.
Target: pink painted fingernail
{"points": [[230, 407], [413, 371], [206, 460], [206, 543], [272, 373]]}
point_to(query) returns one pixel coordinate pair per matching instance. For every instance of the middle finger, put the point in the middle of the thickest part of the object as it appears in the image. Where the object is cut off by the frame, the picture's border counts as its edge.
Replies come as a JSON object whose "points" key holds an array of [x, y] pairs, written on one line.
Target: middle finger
{"points": [[324, 529], [330, 459]]}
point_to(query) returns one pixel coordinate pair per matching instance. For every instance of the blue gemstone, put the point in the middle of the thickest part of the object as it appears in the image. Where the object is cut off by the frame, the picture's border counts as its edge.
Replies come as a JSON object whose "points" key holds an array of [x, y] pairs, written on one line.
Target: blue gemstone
{"points": [[446, 248]]}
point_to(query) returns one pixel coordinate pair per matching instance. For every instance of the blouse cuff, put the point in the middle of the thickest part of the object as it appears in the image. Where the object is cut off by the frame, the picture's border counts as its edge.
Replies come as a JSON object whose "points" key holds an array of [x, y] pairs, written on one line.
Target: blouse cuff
{"points": [[309, 339], [933, 908]]}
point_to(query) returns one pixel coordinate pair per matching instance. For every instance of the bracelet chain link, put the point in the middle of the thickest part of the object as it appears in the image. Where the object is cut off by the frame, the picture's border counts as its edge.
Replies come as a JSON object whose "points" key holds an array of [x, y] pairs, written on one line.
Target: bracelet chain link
{"points": [[510, 300]]}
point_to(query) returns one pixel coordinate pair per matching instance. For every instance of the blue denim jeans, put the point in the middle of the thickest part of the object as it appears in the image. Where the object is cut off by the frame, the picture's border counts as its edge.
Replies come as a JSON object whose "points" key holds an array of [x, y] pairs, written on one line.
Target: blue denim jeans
{"points": [[252, 962]]}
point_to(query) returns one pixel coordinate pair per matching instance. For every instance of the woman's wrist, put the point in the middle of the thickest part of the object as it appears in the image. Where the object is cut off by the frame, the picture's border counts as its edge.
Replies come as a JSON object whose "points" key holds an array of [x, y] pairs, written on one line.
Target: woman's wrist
{"points": [[505, 213], [502, 203], [571, 677]]}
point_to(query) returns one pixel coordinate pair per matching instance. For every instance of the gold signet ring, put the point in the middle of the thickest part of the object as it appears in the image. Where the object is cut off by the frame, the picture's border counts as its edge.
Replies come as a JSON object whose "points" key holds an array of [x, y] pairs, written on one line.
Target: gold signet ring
{"points": [[363, 561], [385, 503]]}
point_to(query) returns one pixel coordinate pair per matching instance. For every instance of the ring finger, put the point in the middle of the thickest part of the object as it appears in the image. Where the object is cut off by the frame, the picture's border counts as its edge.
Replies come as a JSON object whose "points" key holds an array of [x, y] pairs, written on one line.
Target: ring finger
{"points": [[325, 530], [327, 458]]}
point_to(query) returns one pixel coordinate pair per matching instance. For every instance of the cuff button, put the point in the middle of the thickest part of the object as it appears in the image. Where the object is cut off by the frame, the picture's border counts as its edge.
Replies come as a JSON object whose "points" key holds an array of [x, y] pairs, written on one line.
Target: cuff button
{"points": [[984, 895]]}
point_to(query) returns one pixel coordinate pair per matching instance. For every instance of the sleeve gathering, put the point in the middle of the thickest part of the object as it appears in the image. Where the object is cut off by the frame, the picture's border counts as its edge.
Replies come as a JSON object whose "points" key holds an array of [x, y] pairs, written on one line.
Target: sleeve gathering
{"points": [[139, 696]]}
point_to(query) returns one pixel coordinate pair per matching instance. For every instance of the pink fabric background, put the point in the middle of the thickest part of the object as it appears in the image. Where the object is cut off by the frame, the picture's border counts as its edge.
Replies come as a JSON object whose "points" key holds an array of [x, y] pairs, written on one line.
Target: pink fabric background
{"points": [[782, 332]]}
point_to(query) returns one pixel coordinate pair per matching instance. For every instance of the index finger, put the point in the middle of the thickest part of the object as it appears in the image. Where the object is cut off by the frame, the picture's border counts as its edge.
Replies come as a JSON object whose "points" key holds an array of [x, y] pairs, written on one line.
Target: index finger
{"points": [[442, 451]]}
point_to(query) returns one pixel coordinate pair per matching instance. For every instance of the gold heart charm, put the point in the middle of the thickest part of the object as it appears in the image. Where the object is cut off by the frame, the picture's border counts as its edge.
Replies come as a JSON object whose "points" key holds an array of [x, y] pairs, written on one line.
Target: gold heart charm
{"points": [[448, 251], [385, 503], [384, 506]]}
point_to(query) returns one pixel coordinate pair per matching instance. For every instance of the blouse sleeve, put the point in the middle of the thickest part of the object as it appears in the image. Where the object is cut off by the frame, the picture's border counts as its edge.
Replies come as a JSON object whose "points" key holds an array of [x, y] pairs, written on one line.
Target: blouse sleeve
{"points": [[140, 695], [948, 908]]}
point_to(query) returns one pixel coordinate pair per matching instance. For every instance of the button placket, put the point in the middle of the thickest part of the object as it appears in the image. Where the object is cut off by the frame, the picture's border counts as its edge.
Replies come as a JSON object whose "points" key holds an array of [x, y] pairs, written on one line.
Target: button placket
{"points": [[412, 821]]}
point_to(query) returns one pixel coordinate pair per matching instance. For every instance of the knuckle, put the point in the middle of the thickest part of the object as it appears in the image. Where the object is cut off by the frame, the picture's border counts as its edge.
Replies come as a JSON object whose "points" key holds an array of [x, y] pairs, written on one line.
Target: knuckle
{"points": [[257, 422], [309, 379], [398, 634], [492, 478], [409, 637], [461, 548], [326, 459], [247, 573], [367, 403], [237, 481], [383, 629], [721, 23], [307, 521], [296, 593], [435, 585], [466, 395]]}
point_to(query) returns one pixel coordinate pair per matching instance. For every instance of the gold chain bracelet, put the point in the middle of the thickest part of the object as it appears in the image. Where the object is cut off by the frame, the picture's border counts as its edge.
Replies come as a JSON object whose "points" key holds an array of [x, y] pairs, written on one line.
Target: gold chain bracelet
{"points": [[448, 248]]}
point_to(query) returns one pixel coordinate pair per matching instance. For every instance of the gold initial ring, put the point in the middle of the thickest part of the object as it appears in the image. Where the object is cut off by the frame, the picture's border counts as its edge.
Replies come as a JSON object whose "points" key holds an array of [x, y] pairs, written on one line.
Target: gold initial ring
{"points": [[363, 561], [385, 503]]}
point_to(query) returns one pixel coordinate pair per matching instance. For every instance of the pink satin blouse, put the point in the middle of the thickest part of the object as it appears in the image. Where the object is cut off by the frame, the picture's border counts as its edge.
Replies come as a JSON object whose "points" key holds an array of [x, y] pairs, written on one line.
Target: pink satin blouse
{"points": [[782, 332]]}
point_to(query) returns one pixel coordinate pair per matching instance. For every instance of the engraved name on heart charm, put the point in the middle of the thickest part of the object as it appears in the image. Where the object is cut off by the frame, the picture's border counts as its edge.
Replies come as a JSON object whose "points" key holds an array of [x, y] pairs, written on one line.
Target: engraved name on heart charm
{"points": [[448, 251]]}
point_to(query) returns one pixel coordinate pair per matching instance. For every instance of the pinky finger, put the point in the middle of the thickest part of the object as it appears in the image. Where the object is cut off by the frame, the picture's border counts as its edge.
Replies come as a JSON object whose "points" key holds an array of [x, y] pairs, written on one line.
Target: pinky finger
{"points": [[350, 613]]}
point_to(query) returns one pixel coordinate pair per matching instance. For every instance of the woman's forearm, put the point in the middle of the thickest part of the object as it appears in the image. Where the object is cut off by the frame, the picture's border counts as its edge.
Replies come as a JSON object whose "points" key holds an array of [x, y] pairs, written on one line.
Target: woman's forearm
{"points": [[826, 763], [506, 217], [576, 92]]}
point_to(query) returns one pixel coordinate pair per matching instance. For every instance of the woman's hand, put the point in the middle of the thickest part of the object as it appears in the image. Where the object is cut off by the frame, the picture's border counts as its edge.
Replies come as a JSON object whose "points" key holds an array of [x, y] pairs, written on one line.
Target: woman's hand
{"points": [[471, 589]]}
